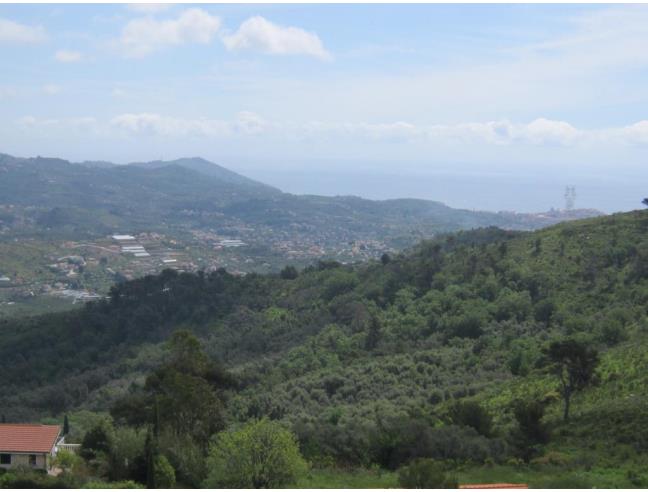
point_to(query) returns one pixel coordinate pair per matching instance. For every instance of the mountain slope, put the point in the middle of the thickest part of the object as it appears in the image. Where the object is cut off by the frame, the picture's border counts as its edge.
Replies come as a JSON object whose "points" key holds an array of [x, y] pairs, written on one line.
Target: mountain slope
{"points": [[463, 316], [207, 168]]}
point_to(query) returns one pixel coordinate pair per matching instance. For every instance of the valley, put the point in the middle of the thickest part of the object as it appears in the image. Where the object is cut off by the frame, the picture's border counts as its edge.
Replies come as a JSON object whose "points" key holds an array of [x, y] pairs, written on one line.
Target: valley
{"points": [[58, 221]]}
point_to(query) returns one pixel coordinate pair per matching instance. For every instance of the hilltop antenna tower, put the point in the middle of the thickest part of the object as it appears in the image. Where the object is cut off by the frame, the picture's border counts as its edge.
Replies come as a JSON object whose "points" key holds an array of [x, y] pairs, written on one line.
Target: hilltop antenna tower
{"points": [[570, 197]]}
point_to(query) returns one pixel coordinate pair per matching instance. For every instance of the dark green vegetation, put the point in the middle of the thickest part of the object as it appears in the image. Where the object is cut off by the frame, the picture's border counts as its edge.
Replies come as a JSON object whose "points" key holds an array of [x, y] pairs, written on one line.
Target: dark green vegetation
{"points": [[459, 351]]}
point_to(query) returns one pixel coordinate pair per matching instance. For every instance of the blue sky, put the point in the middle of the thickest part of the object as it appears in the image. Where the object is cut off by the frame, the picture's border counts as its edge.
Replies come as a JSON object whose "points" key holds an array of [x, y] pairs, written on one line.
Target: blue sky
{"points": [[416, 89]]}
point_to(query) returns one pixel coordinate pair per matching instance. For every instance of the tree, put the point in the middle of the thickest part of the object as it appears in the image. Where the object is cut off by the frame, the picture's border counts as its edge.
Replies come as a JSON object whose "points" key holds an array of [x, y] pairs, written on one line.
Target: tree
{"points": [[66, 425], [164, 473], [373, 336], [182, 396], [423, 473], [645, 201], [96, 440], [530, 431], [574, 364], [151, 455], [67, 460], [472, 414], [289, 273], [385, 259], [261, 454]]}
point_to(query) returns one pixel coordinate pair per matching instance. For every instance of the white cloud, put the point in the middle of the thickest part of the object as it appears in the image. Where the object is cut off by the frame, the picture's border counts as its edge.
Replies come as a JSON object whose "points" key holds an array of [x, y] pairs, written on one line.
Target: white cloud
{"points": [[250, 123], [149, 8], [246, 123], [155, 124], [80, 122], [636, 134], [543, 131], [13, 32], [65, 56], [259, 34], [538, 133], [51, 89], [141, 37]]}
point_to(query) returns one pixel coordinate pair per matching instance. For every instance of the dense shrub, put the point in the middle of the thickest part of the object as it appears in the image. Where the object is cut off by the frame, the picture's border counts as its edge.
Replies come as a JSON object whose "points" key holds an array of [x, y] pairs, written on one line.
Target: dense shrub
{"points": [[262, 454], [424, 473], [472, 414]]}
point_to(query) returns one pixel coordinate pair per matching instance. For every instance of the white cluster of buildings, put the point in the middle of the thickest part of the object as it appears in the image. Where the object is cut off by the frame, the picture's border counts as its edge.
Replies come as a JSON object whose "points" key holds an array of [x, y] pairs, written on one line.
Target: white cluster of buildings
{"points": [[128, 245], [231, 243], [78, 295]]}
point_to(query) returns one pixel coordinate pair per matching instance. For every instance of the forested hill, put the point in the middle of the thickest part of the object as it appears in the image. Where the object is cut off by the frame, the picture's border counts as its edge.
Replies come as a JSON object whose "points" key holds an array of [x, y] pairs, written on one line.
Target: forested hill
{"points": [[446, 320]]}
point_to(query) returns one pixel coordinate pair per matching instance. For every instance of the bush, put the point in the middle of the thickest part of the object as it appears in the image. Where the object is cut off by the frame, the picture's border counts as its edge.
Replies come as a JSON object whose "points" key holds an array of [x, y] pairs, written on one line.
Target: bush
{"points": [[552, 458], [97, 440], [425, 474], [528, 415], [262, 454], [164, 473], [472, 414], [401, 440], [126, 484], [186, 457], [289, 273]]}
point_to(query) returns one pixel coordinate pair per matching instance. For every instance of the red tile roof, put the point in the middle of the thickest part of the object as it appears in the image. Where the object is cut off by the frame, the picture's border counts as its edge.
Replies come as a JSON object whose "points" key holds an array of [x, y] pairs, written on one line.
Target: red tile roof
{"points": [[494, 486], [28, 438]]}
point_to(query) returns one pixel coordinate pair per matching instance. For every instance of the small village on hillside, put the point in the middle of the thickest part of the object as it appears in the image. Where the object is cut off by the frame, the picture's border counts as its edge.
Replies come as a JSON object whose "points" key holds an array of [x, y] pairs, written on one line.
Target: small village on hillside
{"points": [[71, 272]]}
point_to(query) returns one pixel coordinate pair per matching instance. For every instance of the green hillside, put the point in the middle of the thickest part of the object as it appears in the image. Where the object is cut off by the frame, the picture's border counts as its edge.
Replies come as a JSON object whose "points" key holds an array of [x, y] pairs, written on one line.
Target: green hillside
{"points": [[434, 353]]}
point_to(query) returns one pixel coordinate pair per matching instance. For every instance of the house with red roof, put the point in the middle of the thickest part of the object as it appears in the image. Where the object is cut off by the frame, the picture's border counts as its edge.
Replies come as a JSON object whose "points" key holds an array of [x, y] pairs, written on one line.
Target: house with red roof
{"points": [[29, 445]]}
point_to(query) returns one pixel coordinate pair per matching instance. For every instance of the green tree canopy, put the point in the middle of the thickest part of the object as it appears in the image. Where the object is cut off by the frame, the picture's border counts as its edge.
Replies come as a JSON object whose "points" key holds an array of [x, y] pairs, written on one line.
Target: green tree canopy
{"points": [[261, 454], [574, 363]]}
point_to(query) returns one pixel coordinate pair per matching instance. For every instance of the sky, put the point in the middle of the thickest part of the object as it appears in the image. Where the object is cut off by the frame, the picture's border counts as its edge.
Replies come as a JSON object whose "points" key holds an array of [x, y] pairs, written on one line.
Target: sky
{"points": [[480, 106]]}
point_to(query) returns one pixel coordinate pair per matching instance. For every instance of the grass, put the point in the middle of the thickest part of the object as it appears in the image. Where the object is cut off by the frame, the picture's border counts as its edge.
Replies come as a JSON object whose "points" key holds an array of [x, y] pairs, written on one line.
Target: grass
{"points": [[334, 478], [550, 476], [536, 476], [34, 306]]}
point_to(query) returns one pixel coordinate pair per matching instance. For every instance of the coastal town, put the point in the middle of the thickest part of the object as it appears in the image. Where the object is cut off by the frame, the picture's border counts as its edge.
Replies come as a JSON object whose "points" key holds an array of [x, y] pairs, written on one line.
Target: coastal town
{"points": [[72, 272]]}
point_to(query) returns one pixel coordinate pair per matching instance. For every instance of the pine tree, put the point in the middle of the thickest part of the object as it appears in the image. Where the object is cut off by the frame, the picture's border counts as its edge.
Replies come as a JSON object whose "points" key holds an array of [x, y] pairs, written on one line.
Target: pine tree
{"points": [[66, 426]]}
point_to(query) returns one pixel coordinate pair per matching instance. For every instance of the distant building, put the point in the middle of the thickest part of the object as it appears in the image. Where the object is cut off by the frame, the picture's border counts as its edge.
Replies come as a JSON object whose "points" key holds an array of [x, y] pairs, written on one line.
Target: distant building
{"points": [[123, 237], [30, 445], [231, 243]]}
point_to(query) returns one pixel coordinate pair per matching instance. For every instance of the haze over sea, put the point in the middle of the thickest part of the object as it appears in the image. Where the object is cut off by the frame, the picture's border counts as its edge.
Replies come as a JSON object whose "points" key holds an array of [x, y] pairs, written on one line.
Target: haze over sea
{"points": [[463, 186]]}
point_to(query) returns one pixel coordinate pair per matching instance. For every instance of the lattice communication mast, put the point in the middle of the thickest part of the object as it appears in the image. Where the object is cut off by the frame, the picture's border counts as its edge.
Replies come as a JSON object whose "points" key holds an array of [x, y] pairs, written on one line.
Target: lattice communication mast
{"points": [[570, 197]]}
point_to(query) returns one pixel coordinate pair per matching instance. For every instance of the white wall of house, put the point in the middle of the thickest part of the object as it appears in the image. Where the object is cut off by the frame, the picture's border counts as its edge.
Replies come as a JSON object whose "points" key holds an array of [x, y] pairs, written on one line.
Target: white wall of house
{"points": [[22, 459]]}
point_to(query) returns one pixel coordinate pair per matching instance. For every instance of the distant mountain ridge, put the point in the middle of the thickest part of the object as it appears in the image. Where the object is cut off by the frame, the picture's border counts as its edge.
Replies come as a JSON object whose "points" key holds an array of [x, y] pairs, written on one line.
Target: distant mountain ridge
{"points": [[98, 197], [205, 167]]}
